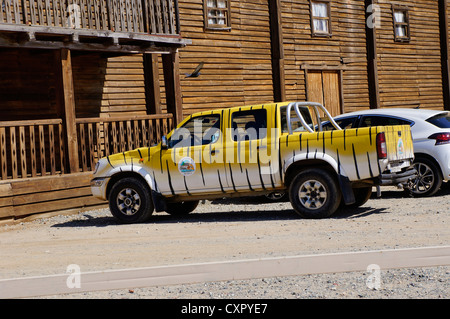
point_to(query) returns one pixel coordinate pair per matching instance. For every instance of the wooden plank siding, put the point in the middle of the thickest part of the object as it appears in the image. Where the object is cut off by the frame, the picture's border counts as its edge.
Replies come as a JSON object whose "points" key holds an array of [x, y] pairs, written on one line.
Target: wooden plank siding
{"points": [[237, 62], [28, 85], [409, 73], [20, 198], [109, 86], [238, 65], [345, 49]]}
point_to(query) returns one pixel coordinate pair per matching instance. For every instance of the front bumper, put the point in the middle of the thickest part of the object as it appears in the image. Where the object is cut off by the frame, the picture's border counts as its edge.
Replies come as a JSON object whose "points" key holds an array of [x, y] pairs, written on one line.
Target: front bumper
{"points": [[98, 187], [404, 177]]}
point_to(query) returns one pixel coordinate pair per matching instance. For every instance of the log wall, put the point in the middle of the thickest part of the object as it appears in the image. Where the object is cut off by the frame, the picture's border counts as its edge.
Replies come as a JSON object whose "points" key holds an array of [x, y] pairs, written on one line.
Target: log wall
{"points": [[237, 63], [22, 198], [345, 49], [409, 73]]}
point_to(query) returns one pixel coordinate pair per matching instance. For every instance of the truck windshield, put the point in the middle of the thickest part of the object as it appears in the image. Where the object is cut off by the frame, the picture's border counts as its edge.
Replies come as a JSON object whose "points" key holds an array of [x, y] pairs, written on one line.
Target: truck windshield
{"points": [[296, 124]]}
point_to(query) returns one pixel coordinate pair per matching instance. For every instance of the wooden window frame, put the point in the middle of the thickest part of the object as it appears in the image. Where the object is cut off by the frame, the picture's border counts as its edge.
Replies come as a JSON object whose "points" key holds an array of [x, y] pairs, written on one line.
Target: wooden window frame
{"points": [[217, 27], [314, 33], [405, 10]]}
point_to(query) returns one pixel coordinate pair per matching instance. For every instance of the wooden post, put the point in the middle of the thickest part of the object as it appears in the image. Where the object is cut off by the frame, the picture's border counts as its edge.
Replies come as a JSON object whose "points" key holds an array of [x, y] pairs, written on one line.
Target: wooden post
{"points": [[68, 109], [372, 68], [276, 42], [171, 68], [152, 86], [443, 29]]}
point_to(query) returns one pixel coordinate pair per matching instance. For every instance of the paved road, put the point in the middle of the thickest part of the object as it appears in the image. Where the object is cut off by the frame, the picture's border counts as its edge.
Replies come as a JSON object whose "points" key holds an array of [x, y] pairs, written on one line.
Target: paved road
{"points": [[76, 282]]}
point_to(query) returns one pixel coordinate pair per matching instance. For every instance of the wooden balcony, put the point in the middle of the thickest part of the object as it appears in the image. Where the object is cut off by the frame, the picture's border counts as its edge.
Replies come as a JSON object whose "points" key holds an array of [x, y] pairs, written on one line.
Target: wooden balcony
{"points": [[102, 137], [38, 148], [109, 25]]}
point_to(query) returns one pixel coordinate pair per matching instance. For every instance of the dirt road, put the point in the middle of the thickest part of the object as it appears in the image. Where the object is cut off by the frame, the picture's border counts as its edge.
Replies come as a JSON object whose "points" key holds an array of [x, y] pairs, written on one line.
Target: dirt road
{"points": [[219, 231]]}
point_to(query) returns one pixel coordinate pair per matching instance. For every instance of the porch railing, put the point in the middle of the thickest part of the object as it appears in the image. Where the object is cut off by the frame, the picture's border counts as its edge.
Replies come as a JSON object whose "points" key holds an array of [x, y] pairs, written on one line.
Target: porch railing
{"points": [[138, 16], [102, 137], [31, 148], [38, 148]]}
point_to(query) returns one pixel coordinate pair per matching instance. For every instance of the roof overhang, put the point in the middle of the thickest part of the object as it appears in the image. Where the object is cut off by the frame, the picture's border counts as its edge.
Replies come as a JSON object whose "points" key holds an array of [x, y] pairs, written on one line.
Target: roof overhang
{"points": [[43, 37]]}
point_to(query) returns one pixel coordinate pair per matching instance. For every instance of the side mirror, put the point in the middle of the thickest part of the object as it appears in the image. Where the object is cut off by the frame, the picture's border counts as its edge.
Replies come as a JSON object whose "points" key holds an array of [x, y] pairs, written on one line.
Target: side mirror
{"points": [[164, 145]]}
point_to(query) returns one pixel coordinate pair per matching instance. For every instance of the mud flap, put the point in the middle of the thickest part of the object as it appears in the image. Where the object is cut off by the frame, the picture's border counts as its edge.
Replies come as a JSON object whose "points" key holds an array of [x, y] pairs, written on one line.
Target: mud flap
{"points": [[159, 202], [347, 192]]}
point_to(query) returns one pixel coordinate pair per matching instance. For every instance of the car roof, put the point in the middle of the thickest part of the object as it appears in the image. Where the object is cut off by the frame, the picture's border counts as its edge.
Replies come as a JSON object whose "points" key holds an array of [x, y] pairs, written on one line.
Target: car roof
{"points": [[412, 114]]}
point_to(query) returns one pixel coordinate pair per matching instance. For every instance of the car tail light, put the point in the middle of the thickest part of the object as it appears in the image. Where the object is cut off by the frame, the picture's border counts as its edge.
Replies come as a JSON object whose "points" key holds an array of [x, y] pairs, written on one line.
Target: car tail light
{"points": [[441, 138], [381, 145]]}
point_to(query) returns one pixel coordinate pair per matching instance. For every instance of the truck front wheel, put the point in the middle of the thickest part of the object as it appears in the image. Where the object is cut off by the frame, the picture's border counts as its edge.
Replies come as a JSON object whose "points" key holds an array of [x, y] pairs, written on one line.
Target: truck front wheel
{"points": [[314, 193], [130, 201]]}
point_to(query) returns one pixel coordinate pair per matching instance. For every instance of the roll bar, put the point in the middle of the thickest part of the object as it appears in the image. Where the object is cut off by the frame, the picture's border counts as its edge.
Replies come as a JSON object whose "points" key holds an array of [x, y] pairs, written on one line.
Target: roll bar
{"points": [[316, 107]]}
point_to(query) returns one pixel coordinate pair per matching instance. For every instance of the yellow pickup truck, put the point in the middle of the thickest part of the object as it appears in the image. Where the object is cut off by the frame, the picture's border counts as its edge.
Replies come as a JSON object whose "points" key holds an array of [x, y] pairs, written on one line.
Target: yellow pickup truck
{"points": [[252, 151]]}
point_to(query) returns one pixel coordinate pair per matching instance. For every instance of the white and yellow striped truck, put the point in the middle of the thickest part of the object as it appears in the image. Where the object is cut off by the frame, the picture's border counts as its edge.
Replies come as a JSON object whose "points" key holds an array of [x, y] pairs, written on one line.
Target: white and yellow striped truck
{"points": [[252, 151]]}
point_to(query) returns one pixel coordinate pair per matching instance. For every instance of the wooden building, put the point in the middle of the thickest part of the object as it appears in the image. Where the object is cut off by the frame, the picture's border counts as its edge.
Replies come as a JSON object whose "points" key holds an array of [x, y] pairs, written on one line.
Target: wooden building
{"points": [[83, 78], [346, 54], [78, 81]]}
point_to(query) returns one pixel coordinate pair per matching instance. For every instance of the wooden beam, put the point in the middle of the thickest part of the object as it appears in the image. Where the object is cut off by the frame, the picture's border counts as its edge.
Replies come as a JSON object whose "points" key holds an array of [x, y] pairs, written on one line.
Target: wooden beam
{"points": [[152, 85], [443, 29], [372, 69], [172, 83], [68, 97], [276, 42]]}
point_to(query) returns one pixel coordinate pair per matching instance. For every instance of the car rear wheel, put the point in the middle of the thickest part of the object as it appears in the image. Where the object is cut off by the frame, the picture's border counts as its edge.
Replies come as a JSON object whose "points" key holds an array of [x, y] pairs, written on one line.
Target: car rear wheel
{"points": [[429, 178], [130, 201], [314, 194]]}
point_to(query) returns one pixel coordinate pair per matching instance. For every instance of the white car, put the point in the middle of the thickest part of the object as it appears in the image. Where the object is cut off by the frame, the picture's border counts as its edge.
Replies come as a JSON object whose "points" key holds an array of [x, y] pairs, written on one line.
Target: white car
{"points": [[431, 136]]}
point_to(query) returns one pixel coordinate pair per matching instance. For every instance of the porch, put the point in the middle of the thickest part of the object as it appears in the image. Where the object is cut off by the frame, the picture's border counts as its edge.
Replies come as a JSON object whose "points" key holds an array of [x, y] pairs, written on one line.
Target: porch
{"points": [[36, 176], [37, 148], [67, 100]]}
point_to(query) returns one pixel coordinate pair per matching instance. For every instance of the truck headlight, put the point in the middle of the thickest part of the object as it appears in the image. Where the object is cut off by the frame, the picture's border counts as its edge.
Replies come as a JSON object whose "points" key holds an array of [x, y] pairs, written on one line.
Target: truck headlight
{"points": [[97, 182]]}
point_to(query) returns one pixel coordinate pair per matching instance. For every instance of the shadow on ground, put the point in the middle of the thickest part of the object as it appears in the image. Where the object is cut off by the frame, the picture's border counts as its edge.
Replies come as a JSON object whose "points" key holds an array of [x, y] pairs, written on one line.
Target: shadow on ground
{"points": [[223, 216], [260, 213]]}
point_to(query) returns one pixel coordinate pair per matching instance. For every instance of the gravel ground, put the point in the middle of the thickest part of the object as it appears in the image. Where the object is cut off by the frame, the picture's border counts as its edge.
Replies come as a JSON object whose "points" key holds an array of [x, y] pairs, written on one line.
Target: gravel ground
{"points": [[244, 229], [414, 283]]}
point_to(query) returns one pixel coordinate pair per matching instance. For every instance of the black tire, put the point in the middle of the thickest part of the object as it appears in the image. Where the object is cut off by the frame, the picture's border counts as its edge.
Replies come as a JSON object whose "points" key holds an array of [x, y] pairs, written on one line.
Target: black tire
{"points": [[181, 208], [429, 178], [314, 193], [362, 195], [130, 201], [276, 197]]}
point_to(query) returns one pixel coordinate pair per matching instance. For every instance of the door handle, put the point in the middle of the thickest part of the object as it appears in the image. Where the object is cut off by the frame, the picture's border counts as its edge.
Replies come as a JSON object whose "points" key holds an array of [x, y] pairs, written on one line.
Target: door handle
{"points": [[214, 152]]}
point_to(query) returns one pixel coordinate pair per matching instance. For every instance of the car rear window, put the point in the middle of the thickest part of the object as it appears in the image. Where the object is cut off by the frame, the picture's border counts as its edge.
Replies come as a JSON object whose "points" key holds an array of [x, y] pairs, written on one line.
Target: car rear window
{"points": [[441, 120]]}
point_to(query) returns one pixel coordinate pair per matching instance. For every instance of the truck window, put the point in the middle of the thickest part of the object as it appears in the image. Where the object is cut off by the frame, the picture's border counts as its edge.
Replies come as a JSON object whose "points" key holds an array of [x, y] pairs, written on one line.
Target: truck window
{"points": [[296, 124], [343, 124], [200, 130], [249, 125]]}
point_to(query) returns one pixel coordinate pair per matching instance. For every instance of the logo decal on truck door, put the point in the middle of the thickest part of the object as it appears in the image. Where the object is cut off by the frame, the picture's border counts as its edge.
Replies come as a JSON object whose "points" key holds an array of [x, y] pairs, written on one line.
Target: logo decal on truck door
{"points": [[186, 166]]}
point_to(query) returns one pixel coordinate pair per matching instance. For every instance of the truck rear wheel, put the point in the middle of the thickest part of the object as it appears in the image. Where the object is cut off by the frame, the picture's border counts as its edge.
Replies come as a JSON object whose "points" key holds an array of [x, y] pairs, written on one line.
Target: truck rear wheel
{"points": [[314, 193], [362, 195], [181, 208], [130, 201]]}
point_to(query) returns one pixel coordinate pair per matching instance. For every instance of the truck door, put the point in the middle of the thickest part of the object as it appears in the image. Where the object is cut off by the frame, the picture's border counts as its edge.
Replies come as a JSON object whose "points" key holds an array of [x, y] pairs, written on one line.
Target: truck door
{"points": [[249, 161], [193, 162]]}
